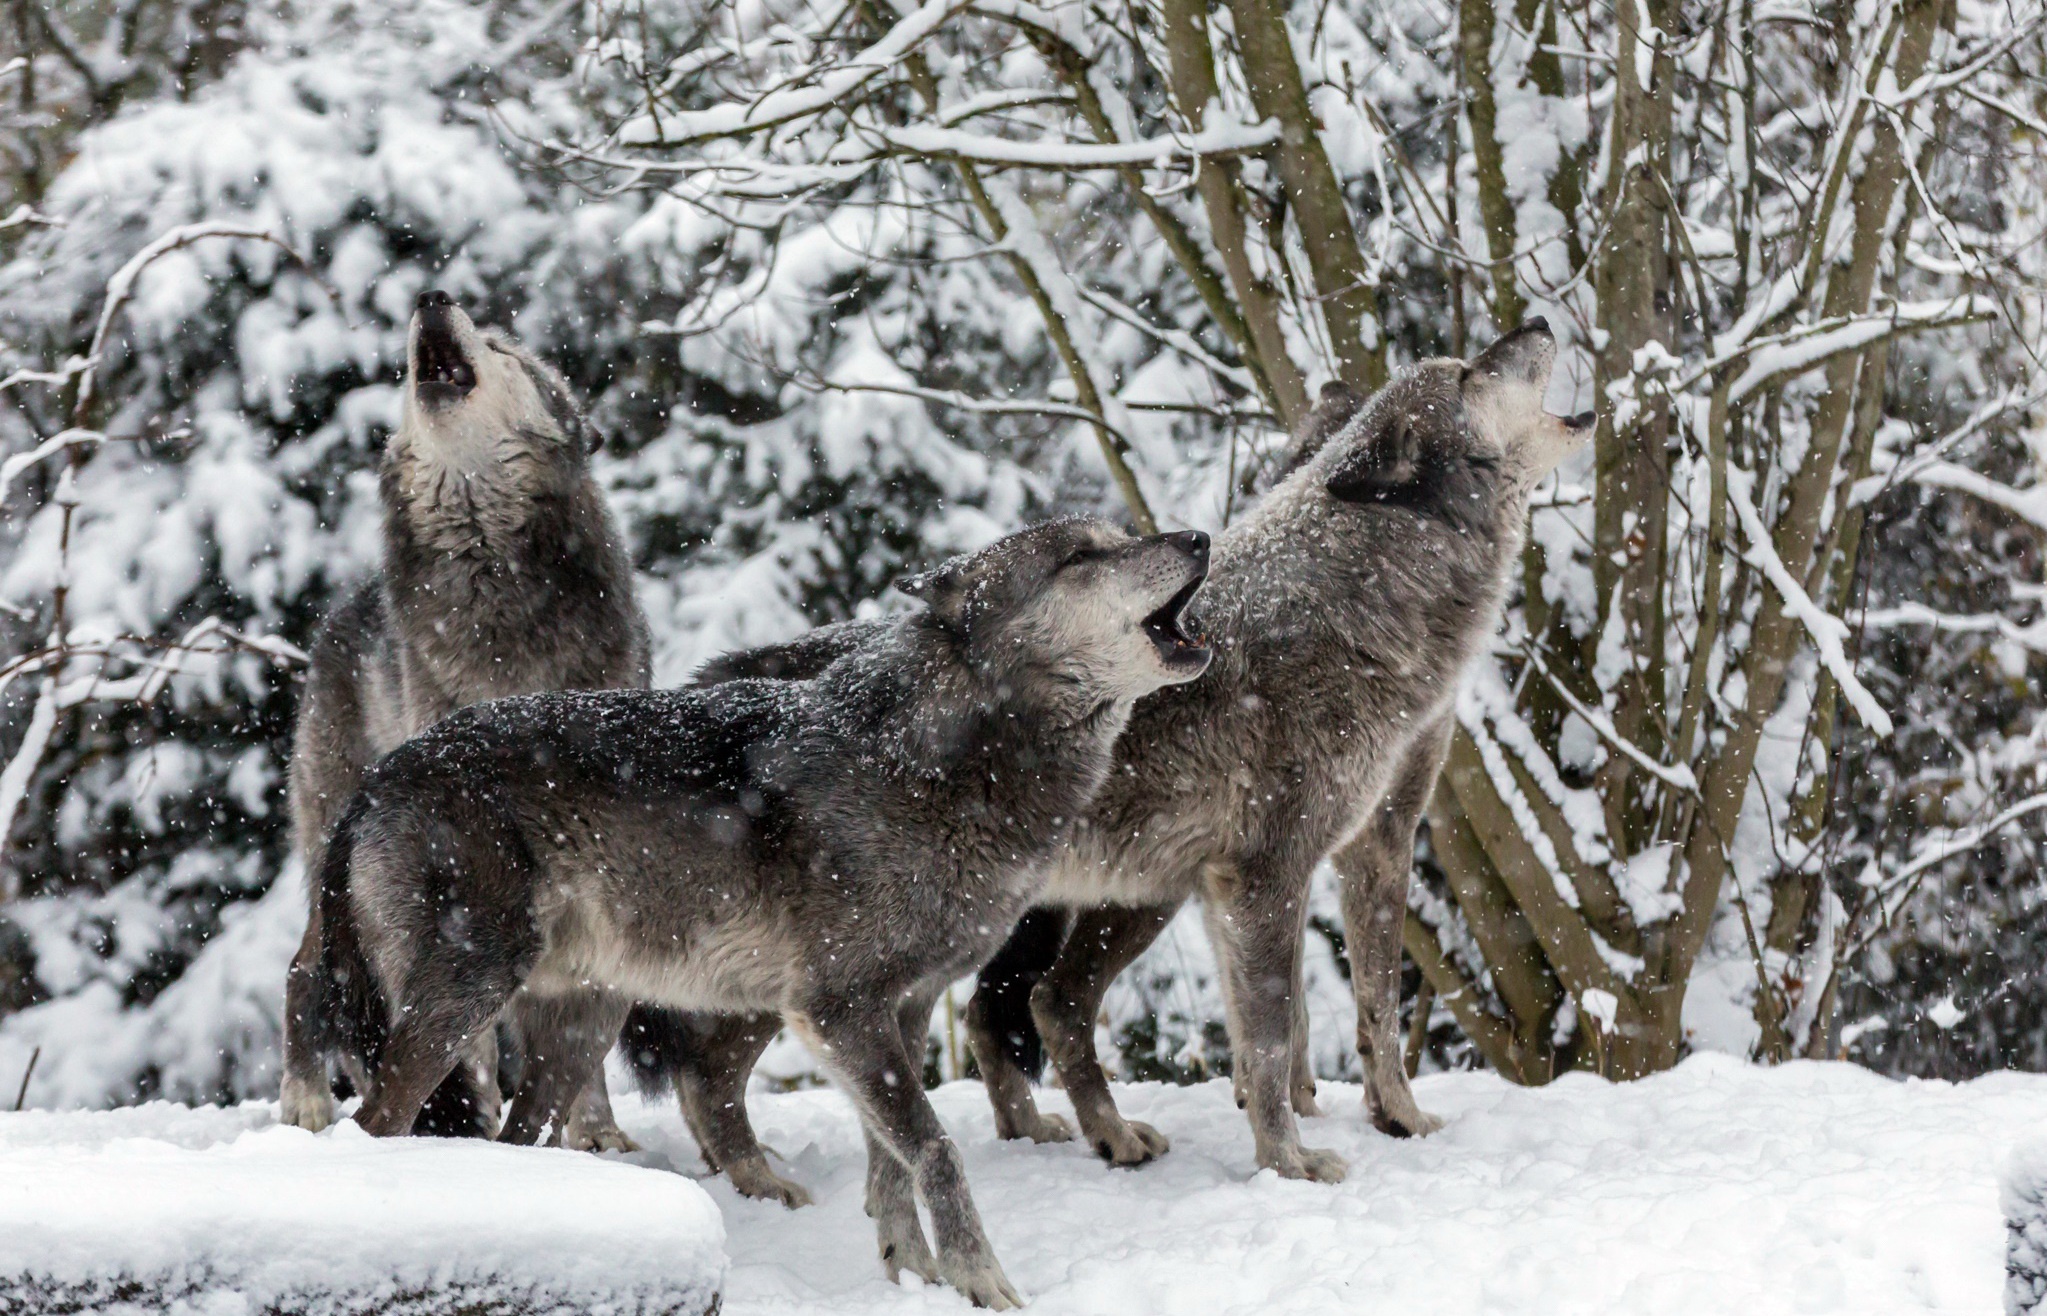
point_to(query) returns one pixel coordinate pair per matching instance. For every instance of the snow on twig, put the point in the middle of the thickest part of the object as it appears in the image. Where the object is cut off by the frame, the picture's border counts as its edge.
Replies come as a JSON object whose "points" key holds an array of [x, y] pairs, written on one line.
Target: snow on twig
{"points": [[1895, 890], [122, 286], [1907, 471], [15, 777], [63, 441], [1028, 242], [1828, 632], [2028, 505], [1676, 776], [2033, 637], [793, 102], [1768, 360], [1226, 139]]}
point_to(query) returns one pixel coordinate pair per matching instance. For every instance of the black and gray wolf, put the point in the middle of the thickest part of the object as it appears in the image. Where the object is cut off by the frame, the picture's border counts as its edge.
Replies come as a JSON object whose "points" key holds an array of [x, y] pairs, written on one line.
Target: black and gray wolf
{"points": [[833, 850], [502, 574], [1343, 612]]}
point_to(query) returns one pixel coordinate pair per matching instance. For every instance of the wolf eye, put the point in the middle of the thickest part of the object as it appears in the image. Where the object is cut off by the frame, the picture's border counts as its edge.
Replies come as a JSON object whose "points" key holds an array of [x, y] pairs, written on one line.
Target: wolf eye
{"points": [[1080, 555]]}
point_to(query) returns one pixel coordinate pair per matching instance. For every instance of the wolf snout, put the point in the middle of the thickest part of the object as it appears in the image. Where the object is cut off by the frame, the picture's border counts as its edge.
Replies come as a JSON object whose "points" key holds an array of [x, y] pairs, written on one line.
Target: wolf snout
{"points": [[1193, 543], [442, 373]]}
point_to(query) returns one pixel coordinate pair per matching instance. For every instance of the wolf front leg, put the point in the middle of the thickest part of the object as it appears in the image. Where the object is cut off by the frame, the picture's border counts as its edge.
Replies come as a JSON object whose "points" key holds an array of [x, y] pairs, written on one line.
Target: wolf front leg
{"points": [[1375, 868], [863, 1045], [1256, 914], [1065, 1004]]}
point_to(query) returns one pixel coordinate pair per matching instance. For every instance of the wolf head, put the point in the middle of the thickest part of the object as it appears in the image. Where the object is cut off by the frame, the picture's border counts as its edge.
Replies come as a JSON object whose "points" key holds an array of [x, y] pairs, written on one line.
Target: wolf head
{"points": [[468, 390], [1076, 602], [1464, 441]]}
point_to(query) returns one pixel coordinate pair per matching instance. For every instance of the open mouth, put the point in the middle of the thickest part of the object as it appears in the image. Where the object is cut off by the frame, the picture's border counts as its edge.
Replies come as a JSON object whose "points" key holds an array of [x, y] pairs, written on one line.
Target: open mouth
{"points": [[1168, 633], [442, 375]]}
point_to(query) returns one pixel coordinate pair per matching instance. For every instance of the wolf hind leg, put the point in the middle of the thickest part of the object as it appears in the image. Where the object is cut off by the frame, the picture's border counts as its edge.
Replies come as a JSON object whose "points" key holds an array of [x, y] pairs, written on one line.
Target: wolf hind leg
{"points": [[466, 1104], [305, 1097], [1256, 922], [865, 1049], [591, 1124], [431, 1035], [1065, 1003], [565, 1037], [450, 954], [711, 1087], [1005, 1041], [1375, 868]]}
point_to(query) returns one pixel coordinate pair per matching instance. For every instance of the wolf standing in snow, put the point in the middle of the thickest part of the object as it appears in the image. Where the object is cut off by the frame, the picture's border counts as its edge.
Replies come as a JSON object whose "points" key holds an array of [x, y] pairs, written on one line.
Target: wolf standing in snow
{"points": [[835, 850], [502, 574], [1344, 612]]}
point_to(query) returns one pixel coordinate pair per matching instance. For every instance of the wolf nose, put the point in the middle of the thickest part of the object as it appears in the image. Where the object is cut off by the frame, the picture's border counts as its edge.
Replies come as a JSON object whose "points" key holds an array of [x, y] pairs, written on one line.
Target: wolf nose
{"points": [[433, 297], [1535, 324], [1191, 542]]}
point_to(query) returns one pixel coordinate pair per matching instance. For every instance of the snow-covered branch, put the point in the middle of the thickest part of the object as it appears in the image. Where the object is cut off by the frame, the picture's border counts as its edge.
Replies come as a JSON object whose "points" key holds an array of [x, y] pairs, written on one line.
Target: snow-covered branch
{"points": [[817, 91], [1827, 632]]}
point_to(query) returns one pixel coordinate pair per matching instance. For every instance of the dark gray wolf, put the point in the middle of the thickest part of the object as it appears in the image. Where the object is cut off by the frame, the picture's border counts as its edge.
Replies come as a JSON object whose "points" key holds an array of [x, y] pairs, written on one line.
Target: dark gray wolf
{"points": [[1344, 612], [502, 574], [833, 850]]}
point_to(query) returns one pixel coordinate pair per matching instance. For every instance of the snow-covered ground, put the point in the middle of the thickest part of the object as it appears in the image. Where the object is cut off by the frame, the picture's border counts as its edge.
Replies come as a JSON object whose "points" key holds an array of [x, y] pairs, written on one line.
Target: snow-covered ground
{"points": [[1720, 1187]]}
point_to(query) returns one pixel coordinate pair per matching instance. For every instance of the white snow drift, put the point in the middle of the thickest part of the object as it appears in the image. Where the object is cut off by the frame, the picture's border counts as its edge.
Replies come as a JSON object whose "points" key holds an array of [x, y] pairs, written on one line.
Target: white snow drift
{"points": [[165, 1208]]}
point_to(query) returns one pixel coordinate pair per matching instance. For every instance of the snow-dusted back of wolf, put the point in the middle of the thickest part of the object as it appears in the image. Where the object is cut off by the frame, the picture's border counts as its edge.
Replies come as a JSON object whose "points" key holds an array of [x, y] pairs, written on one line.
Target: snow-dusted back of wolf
{"points": [[502, 574], [835, 850]]}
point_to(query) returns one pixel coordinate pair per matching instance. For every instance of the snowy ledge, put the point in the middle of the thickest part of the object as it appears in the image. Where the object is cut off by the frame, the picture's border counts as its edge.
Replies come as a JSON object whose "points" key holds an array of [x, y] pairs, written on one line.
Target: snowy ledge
{"points": [[220, 1212], [2025, 1226]]}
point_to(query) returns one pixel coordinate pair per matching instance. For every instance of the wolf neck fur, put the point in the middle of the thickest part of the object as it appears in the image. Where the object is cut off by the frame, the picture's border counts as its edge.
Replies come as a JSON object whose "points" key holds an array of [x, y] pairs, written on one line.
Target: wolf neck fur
{"points": [[957, 725], [466, 497]]}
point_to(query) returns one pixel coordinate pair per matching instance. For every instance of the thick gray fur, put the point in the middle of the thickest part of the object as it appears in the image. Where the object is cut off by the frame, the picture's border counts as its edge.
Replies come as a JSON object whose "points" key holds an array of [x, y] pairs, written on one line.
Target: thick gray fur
{"points": [[1344, 613], [502, 574], [834, 850]]}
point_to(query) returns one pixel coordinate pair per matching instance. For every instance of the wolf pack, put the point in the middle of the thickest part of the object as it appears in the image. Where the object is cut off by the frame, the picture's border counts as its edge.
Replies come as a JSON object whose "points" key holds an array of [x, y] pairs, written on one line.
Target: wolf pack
{"points": [[518, 852]]}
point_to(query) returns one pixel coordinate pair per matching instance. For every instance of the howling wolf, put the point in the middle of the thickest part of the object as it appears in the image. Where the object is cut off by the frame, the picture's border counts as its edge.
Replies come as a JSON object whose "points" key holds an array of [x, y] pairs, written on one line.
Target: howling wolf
{"points": [[834, 850], [502, 574], [1343, 612]]}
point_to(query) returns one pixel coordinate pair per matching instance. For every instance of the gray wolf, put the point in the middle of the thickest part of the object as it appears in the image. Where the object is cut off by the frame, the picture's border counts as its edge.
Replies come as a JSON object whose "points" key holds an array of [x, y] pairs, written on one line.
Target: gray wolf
{"points": [[1343, 612], [832, 850], [502, 574]]}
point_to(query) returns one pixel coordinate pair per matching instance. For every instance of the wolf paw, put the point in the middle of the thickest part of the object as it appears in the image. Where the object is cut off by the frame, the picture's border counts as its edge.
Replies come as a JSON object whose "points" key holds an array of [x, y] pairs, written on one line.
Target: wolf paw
{"points": [[903, 1248], [984, 1285], [1414, 1122], [304, 1105], [597, 1138], [1038, 1128], [1130, 1143], [756, 1180], [1310, 1163]]}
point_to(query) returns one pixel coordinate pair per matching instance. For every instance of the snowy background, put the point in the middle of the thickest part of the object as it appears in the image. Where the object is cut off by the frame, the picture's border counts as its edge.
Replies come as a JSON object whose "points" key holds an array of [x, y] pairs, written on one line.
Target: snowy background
{"points": [[809, 386]]}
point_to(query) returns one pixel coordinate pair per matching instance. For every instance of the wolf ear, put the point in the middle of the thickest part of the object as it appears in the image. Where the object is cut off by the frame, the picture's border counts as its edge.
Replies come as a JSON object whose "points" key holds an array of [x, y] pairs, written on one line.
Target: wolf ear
{"points": [[1325, 420], [943, 589], [1520, 356], [1386, 460]]}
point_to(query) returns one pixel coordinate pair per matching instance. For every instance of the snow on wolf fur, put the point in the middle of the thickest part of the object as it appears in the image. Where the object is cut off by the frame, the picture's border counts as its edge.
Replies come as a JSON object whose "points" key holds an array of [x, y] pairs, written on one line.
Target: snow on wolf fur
{"points": [[164, 1208]]}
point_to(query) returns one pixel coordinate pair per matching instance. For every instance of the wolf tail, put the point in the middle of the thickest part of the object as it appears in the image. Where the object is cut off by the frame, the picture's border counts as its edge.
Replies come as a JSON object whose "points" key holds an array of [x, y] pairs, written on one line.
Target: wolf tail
{"points": [[657, 1043], [1002, 992]]}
